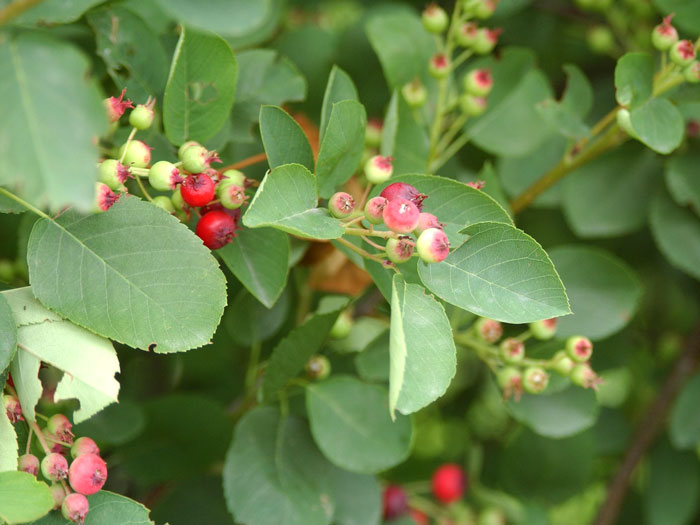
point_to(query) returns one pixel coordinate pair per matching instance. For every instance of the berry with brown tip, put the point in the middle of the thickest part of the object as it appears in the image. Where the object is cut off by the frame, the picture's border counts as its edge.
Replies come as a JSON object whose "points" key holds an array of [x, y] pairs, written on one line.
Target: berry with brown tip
{"points": [[374, 209]]}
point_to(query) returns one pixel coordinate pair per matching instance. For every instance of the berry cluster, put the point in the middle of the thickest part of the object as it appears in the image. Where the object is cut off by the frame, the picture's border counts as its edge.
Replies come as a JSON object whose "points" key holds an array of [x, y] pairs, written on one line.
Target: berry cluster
{"points": [[189, 186], [70, 482]]}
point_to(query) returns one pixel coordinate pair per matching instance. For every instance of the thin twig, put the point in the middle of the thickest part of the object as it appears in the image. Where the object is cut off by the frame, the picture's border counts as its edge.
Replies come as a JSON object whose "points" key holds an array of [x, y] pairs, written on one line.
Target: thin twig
{"points": [[15, 9], [245, 162]]}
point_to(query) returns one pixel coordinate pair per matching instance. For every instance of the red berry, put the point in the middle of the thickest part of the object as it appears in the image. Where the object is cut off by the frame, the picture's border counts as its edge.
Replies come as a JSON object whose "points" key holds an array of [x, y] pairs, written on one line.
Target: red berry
{"points": [[401, 190], [59, 426], [401, 215], [216, 229], [374, 209], [448, 483], [75, 507], [54, 467], [395, 503], [28, 463], [87, 474], [198, 190], [84, 445]]}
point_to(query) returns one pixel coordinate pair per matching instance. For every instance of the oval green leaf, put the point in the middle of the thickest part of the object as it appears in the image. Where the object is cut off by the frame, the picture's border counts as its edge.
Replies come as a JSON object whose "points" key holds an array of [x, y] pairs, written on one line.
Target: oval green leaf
{"points": [[340, 87], [106, 508], [634, 79], [23, 498], [658, 124], [283, 138], [8, 334], [685, 417]]}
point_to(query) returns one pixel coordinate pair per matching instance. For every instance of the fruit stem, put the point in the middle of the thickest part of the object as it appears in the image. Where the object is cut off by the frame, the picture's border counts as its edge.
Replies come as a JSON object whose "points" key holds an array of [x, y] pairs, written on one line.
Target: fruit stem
{"points": [[360, 251], [40, 436], [141, 172], [461, 58], [23, 203], [373, 244], [15, 9], [245, 162], [373, 233], [252, 371], [454, 128], [143, 189], [365, 194], [126, 145], [29, 440], [449, 152], [62, 443]]}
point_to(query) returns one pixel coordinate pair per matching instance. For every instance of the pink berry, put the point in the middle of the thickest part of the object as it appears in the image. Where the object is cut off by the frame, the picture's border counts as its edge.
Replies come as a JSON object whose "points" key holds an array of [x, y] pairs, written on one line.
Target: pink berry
{"points": [[399, 250], [425, 221], [401, 216], [28, 463], [216, 229], [116, 106], [54, 467], [478, 82], [477, 184], [105, 197], [488, 330], [231, 195], [12, 408], [439, 66], [87, 474], [512, 350], [75, 507], [58, 493], [341, 205], [682, 52], [198, 190], [59, 426], [579, 348], [449, 483], [394, 501], [433, 245], [401, 190], [84, 445], [378, 169], [374, 209]]}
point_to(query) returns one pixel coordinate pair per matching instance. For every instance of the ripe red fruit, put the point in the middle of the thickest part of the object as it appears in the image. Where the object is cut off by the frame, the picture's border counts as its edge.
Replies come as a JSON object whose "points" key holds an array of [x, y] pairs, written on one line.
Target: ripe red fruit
{"points": [[401, 190], [28, 463], [216, 229], [401, 216], [449, 483], [198, 190], [87, 474], [75, 507], [394, 502], [84, 445]]}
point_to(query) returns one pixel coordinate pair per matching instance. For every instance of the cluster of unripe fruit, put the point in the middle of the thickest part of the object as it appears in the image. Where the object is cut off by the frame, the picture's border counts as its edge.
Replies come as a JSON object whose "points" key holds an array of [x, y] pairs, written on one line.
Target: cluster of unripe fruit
{"points": [[70, 482], [216, 197], [448, 483], [518, 374]]}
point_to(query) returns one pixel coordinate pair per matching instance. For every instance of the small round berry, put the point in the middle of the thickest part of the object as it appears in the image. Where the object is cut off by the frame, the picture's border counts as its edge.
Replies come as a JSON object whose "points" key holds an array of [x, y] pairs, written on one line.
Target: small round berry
{"points": [[399, 250], [488, 330], [181, 150], [544, 329], [401, 215], [13, 409], [433, 246], [141, 117], [378, 169], [233, 177], [414, 93], [104, 197], [484, 9], [75, 508], [373, 133], [478, 82], [449, 483], [88, 473], [601, 40], [216, 229], [28, 463], [664, 35], [59, 425], [197, 159], [439, 66], [164, 202], [374, 209], [584, 376], [486, 40], [579, 348], [535, 379], [692, 72], [511, 382], [177, 200], [318, 367], [231, 195], [682, 53], [84, 445], [435, 19], [425, 221], [512, 350], [467, 34], [164, 176], [562, 363], [58, 493], [116, 106], [491, 516], [54, 467], [472, 105], [112, 173], [401, 190], [137, 154], [341, 205], [198, 190], [394, 502], [342, 326]]}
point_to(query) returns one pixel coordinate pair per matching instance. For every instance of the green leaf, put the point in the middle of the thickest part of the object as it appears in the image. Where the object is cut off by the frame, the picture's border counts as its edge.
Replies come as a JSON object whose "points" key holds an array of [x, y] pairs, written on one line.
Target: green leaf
{"points": [[634, 79], [685, 418], [364, 330], [286, 200], [133, 54], [682, 180], [578, 95], [423, 354], [117, 424], [373, 363], [272, 473], [674, 481], [567, 115], [234, 19], [283, 138], [610, 196], [676, 231], [350, 422], [8, 205], [341, 147], [8, 444], [200, 89], [106, 508], [603, 290], [88, 361], [357, 497], [8, 334], [340, 87], [557, 415], [42, 79], [260, 260], [405, 139], [52, 12], [23, 498], [402, 45], [390, 126], [126, 269], [658, 124], [248, 321], [198, 499], [292, 353], [501, 273]]}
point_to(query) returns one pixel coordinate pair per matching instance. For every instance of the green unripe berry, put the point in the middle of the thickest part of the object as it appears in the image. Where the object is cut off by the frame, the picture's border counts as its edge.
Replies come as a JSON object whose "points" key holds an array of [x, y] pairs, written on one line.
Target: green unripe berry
{"points": [[177, 200], [467, 34], [164, 176], [579, 348], [601, 40], [164, 202], [194, 159], [584, 376], [435, 19], [113, 174], [233, 177], [544, 329], [562, 363], [664, 35], [478, 82], [342, 326], [510, 380], [488, 330], [231, 195], [137, 154], [181, 150], [399, 250], [414, 93], [439, 66], [471, 105], [484, 9], [378, 169], [141, 117], [535, 379], [318, 367], [485, 41], [373, 133], [692, 72], [491, 516], [682, 53], [512, 351]]}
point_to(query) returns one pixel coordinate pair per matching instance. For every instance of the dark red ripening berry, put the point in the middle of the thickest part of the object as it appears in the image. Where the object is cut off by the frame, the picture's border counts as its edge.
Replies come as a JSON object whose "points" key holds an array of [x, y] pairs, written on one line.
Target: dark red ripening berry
{"points": [[401, 190], [87, 474], [394, 502], [198, 190], [216, 229], [449, 483]]}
